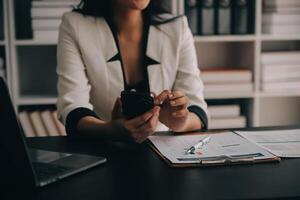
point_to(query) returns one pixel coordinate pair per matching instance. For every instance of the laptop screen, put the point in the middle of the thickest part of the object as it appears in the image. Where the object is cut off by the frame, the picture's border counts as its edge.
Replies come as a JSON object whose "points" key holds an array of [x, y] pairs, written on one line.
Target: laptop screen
{"points": [[12, 141]]}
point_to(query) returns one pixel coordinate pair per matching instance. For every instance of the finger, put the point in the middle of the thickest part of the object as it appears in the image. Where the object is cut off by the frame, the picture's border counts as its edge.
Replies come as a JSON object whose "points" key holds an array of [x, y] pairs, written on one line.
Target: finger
{"points": [[139, 137], [180, 113], [176, 94], [180, 101], [117, 109], [149, 127], [140, 120], [117, 105], [162, 97], [153, 94], [141, 140], [152, 121]]}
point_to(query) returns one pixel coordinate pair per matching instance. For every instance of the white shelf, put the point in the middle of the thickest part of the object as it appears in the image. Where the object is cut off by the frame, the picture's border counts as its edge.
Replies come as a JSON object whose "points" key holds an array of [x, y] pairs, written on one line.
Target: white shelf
{"points": [[279, 94], [287, 37], [233, 95], [36, 100], [2, 42], [225, 38], [33, 43]]}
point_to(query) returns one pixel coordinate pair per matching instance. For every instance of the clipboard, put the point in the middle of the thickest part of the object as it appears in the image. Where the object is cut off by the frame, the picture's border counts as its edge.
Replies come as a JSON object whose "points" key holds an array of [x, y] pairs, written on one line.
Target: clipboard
{"points": [[220, 160]]}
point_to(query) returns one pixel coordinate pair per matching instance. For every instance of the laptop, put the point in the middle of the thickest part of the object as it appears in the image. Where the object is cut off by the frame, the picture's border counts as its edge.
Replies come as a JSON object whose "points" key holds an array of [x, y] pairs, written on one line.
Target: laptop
{"points": [[33, 167]]}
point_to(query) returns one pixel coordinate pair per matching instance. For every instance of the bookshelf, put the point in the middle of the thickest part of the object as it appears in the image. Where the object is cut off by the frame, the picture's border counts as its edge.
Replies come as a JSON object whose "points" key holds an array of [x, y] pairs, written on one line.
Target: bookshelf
{"points": [[33, 64], [32, 79], [4, 39], [33, 71], [262, 108]]}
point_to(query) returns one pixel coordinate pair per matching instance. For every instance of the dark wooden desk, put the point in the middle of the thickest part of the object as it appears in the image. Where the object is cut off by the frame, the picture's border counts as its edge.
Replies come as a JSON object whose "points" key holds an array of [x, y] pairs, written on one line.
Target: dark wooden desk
{"points": [[136, 172]]}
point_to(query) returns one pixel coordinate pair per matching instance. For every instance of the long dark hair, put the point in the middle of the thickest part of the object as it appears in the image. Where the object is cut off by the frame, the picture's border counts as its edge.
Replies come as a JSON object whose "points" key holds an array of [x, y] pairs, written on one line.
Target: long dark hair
{"points": [[103, 8]]}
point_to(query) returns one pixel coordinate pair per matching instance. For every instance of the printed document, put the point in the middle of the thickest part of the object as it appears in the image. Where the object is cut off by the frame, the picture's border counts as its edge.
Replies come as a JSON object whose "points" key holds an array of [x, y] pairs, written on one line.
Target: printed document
{"points": [[283, 143], [225, 144]]}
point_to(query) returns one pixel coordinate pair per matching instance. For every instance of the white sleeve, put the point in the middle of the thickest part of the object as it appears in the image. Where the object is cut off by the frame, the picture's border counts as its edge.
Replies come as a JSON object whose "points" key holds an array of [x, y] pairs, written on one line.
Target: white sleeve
{"points": [[188, 74], [73, 84]]}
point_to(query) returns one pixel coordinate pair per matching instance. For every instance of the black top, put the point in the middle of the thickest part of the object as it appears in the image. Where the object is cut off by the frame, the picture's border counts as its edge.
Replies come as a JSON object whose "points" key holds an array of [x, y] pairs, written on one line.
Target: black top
{"points": [[136, 172], [141, 86]]}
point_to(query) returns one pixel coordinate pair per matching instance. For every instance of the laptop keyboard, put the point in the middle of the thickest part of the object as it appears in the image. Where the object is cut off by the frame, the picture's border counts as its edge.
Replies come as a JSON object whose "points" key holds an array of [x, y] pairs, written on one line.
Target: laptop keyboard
{"points": [[45, 171]]}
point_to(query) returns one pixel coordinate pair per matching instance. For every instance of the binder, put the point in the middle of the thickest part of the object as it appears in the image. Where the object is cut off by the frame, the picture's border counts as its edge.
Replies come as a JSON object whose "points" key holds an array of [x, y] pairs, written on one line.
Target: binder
{"points": [[1, 20], [240, 17], [220, 160], [223, 17], [191, 11], [207, 17], [23, 24]]}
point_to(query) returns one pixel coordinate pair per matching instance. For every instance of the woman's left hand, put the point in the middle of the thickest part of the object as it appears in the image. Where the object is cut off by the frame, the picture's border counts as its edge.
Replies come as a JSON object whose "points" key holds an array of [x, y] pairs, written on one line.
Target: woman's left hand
{"points": [[173, 112]]}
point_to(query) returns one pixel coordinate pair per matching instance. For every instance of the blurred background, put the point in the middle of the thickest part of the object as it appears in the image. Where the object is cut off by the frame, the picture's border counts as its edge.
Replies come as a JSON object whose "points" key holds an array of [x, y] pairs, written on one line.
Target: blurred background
{"points": [[248, 53]]}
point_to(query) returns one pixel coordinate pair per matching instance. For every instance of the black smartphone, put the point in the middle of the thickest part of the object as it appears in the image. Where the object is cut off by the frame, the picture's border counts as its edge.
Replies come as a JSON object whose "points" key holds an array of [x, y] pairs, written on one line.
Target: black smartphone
{"points": [[136, 103]]}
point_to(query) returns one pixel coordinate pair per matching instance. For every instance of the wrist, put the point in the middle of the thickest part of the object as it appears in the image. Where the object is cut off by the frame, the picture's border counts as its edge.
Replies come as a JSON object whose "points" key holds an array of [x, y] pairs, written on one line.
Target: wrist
{"points": [[116, 129], [110, 126], [191, 123], [183, 125]]}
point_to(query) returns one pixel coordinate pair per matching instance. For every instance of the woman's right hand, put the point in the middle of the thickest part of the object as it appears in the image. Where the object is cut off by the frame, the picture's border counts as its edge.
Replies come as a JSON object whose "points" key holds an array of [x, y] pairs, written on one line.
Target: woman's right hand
{"points": [[140, 127]]}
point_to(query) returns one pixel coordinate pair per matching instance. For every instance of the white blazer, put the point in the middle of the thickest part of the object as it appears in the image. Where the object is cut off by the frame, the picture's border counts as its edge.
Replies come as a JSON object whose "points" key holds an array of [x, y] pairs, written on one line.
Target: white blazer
{"points": [[86, 77]]}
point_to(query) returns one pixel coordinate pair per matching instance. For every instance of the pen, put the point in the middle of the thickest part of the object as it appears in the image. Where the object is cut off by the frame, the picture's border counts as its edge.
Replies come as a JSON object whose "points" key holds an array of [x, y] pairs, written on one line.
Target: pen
{"points": [[198, 145]]}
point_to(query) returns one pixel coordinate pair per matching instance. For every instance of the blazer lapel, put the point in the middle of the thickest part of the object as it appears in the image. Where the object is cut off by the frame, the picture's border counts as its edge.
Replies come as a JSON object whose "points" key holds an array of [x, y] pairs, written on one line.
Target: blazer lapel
{"points": [[107, 42], [154, 60], [115, 82], [113, 70]]}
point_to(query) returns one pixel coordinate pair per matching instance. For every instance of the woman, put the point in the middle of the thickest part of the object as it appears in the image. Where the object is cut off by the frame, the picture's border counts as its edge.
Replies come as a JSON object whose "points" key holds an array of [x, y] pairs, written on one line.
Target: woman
{"points": [[112, 45]]}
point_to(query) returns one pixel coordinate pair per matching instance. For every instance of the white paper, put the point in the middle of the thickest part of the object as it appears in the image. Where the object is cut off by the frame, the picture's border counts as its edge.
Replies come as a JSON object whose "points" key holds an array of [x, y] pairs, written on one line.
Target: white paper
{"points": [[221, 144], [283, 143]]}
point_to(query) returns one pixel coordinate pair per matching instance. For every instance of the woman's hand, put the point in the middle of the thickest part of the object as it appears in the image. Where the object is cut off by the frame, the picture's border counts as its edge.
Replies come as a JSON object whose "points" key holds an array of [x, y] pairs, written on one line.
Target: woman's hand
{"points": [[173, 112], [139, 128]]}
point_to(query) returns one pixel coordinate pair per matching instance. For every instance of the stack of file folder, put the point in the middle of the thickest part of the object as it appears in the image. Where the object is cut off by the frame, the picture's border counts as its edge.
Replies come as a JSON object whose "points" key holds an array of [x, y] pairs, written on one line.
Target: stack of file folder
{"points": [[222, 17]]}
